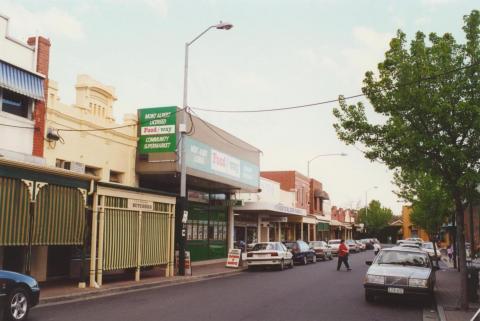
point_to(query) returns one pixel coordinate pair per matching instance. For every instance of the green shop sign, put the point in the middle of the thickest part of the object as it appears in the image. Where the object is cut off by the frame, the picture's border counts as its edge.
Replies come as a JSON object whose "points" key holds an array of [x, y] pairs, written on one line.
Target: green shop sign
{"points": [[157, 130]]}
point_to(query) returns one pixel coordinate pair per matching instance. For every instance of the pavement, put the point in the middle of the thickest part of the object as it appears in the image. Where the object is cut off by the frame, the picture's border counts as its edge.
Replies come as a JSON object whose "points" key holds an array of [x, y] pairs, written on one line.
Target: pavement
{"points": [[61, 292], [312, 292], [447, 294]]}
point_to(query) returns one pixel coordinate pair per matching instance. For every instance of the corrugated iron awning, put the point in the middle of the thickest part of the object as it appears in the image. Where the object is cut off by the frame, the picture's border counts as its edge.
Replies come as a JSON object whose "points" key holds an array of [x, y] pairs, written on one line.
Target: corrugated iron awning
{"points": [[21, 81]]}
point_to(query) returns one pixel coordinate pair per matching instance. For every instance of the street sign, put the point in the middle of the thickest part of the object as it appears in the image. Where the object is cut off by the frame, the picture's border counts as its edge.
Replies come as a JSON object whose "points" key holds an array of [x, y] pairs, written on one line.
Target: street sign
{"points": [[185, 217], [233, 259], [157, 130]]}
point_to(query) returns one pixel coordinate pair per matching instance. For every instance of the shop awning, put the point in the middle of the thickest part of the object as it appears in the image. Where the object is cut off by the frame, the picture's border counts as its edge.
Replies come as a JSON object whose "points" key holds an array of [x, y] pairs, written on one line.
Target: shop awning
{"points": [[21, 81], [270, 208], [335, 223]]}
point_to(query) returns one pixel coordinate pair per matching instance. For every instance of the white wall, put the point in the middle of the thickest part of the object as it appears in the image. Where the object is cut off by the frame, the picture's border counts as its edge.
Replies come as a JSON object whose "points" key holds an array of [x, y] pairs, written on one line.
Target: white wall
{"points": [[16, 52], [16, 139]]}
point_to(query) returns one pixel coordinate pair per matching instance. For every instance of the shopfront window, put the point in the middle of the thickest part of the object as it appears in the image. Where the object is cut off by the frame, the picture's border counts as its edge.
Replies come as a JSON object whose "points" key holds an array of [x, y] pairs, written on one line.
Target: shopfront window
{"points": [[207, 229]]}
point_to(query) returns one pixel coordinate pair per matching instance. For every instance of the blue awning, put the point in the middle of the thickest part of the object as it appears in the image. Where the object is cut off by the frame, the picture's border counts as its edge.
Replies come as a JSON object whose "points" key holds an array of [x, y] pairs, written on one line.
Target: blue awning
{"points": [[21, 81]]}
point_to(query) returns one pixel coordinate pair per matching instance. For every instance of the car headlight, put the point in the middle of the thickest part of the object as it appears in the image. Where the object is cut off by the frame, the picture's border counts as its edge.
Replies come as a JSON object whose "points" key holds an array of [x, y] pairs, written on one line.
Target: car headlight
{"points": [[377, 279], [418, 283]]}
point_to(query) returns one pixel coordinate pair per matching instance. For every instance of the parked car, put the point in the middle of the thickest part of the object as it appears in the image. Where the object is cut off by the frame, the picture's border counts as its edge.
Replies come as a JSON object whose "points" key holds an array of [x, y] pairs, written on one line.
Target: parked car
{"points": [[302, 253], [415, 239], [368, 243], [352, 246], [401, 271], [322, 250], [334, 244], [361, 245], [270, 254], [18, 294]]}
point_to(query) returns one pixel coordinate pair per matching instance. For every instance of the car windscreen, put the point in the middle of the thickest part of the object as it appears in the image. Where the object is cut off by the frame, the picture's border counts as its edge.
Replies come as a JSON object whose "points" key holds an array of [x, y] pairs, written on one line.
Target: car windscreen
{"points": [[333, 242], [427, 246], [264, 246], [403, 258], [315, 244]]}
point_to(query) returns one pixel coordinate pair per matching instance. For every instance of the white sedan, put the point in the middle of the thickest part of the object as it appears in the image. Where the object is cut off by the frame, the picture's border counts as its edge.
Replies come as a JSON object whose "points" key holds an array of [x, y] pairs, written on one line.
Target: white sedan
{"points": [[270, 254]]}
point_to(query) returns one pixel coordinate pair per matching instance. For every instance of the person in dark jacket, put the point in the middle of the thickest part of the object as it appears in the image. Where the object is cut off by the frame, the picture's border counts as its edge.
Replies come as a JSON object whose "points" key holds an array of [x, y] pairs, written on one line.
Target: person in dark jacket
{"points": [[343, 256]]}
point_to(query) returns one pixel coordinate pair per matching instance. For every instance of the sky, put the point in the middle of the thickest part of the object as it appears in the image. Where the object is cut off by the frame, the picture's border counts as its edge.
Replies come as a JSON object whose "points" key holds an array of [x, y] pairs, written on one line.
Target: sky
{"points": [[279, 53]]}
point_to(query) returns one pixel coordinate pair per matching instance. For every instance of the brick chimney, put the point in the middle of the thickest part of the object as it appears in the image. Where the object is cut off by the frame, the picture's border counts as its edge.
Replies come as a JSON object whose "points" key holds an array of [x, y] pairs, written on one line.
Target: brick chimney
{"points": [[43, 59]]}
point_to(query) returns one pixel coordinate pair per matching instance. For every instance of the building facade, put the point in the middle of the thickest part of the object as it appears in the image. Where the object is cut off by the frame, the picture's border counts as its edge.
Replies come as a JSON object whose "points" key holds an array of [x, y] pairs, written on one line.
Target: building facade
{"points": [[84, 146], [293, 181], [218, 165], [410, 230]]}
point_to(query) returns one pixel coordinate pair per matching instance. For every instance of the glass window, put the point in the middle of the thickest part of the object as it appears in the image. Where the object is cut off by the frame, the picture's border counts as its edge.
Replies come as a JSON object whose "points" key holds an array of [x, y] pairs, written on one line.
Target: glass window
{"points": [[403, 258], [16, 104], [264, 246]]}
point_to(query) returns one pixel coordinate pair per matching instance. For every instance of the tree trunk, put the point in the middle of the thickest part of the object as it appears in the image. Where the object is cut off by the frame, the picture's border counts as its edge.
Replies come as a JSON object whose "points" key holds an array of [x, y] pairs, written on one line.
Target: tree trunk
{"points": [[462, 262], [472, 235]]}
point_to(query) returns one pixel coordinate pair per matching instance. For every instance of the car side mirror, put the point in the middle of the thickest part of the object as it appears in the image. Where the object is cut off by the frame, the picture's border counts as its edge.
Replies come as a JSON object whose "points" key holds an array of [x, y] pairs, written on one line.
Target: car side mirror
{"points": [[368, 262]]}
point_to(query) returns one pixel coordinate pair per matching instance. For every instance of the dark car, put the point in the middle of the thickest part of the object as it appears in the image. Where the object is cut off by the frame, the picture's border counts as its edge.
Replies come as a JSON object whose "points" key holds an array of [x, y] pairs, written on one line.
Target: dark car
{"points": [[400, 271], [302, 253], [18, 294]]}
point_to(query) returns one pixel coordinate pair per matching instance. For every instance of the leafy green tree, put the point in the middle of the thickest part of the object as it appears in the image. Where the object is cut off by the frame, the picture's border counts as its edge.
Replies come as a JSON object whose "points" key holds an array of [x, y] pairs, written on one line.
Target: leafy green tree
{"points": [[429, 98], [375, 217], [431, 203]]}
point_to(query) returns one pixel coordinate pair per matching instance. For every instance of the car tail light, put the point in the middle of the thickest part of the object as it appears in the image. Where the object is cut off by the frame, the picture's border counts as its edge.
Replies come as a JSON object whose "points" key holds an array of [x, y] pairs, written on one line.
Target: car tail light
{"points": [[274, 254], [249, 254]]}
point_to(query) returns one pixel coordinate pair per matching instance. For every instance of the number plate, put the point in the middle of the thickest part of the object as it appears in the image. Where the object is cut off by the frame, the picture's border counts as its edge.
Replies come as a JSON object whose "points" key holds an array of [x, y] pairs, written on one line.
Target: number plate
{"points": [[395, 290]]}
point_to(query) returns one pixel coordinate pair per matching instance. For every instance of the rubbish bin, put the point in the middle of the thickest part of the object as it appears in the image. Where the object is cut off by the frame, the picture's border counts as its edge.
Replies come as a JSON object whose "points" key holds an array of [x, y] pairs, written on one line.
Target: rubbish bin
{"points": [[472, 283]]}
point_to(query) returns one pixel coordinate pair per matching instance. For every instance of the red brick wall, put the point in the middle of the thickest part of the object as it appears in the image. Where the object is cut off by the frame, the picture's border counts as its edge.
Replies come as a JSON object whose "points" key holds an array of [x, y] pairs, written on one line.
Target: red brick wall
{"points": [[285, 178], [315, 185], [43, 60]]}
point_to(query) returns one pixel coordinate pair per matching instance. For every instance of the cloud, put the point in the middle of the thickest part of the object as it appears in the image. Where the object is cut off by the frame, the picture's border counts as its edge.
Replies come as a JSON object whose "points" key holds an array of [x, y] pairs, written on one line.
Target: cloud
{"points": [[160, 7], [435, 3], [51, 22]]}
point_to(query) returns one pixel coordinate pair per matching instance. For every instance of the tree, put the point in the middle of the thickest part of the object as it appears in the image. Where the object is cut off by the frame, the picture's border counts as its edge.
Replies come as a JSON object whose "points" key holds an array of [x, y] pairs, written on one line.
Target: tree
{"points": [[376, 218], [429, 100], [431, 203]]}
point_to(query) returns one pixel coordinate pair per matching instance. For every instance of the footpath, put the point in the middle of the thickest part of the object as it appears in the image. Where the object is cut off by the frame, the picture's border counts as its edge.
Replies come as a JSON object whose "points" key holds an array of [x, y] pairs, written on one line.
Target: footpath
{"points": [[57, 293], [447, 295]]}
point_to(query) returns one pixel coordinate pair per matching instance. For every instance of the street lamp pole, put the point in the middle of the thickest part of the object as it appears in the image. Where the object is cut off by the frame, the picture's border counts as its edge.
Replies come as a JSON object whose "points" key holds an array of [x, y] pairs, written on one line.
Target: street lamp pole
{"points": [[183, 166], [314, 158]]}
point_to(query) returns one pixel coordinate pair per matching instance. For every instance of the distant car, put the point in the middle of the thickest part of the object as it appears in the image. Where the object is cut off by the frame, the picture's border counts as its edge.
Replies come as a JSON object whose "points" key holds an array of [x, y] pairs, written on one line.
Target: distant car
{"points": [[352, 246], [415, 239], [302, 253], [428, 247], [368, 243], [270, 254], [411, 244], [18, 294], [334, 244], [400, 271], [322, 250], [361, 245]]}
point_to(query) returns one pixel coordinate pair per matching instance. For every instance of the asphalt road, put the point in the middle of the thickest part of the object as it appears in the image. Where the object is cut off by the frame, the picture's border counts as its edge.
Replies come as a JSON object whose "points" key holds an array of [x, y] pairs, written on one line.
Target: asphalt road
{"points": [[312, 292]]}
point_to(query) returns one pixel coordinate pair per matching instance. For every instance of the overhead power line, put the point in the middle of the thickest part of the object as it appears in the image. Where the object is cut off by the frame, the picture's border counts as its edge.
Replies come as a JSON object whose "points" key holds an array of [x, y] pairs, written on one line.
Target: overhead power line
{"points": [[266, 109]]}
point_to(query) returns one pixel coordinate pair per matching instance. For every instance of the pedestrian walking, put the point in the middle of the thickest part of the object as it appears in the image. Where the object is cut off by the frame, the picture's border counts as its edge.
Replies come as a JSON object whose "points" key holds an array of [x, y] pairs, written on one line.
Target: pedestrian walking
{"points": [[343, 256], [376, 248], [450, 252]]}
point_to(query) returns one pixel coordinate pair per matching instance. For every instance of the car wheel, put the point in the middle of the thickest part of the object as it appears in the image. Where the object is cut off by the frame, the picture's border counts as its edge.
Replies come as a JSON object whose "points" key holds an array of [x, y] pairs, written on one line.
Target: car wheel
{"points": [[282, 265], [314, 259], [305, 261], [18, 305], [369, 297], [330, 257], [291, 263]]}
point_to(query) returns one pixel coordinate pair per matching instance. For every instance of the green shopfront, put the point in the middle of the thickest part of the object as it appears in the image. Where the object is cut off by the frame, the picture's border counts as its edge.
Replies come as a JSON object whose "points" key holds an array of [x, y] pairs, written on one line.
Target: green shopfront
{"points": [[218, 165]]}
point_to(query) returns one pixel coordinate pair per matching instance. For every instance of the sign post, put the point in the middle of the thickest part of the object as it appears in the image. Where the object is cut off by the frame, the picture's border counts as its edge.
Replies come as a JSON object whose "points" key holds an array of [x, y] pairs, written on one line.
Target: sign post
{"points": [[234, 257]]}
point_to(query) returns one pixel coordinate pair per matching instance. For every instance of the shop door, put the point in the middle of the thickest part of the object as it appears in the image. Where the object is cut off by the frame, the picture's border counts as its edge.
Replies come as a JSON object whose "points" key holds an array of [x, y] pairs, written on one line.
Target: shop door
{"points": [[14, 258], [58, 263]]}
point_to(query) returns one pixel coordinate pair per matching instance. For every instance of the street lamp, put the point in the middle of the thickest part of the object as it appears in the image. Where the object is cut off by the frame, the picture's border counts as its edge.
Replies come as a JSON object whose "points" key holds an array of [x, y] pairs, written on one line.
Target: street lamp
{"points": [[308, 163], [183, 165]]}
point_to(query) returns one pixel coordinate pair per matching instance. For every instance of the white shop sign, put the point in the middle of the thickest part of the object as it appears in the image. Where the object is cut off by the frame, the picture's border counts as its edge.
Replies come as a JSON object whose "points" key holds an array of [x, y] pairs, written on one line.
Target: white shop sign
{"points": [[140, 205]]}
